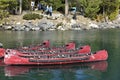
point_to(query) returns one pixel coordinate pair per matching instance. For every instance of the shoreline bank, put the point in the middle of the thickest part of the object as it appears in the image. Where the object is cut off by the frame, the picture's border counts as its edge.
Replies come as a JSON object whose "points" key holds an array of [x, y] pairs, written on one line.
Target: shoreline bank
{"points": [[56, 22]]}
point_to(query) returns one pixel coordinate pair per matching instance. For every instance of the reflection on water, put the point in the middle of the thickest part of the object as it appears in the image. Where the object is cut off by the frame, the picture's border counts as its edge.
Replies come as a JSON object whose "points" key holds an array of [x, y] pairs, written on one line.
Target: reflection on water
{"points": [[55, 69]]}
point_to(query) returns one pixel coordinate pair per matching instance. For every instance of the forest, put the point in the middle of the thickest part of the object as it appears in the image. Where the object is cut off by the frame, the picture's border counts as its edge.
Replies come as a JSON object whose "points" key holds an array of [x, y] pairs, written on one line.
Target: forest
{"points": [[94, 9]]}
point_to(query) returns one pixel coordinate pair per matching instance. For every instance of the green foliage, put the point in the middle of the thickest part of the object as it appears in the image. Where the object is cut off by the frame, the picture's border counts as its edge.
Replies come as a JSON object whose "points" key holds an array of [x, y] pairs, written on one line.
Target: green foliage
{"points": [[26, 5], [3, 14], [113, 15], [111, 8], [42, 2], [119, 4], [5, 6], [12, 4], [56, 4], [32, 16], [90, 7]]}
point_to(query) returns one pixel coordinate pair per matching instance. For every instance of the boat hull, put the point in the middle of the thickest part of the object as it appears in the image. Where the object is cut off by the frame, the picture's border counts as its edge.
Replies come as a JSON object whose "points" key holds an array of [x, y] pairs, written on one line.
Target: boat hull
{"points": [[11, 59], [2, 51]]}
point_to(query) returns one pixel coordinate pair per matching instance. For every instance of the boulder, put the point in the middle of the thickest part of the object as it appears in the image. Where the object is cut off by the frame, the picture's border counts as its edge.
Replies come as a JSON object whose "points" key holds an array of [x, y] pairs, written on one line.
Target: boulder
{"points": [[93, 25], [7, 27], [46, 25], [36, 28]]}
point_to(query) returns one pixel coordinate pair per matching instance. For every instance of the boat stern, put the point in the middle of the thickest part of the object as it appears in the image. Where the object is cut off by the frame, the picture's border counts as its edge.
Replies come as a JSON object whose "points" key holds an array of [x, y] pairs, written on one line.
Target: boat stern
{"points": [[2, 51], [11, 58], [99, 56]]}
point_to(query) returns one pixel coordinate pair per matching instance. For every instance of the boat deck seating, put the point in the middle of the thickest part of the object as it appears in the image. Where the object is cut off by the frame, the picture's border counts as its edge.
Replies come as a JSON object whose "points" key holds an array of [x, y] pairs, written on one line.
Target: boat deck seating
{"points": [[56, 56], [59, 60], [31, 52]]}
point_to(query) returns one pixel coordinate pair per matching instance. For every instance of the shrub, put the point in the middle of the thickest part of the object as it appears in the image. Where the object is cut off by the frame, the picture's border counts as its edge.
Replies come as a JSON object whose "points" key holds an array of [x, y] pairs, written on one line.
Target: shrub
{"points": [[32, 16], [113, 15]]}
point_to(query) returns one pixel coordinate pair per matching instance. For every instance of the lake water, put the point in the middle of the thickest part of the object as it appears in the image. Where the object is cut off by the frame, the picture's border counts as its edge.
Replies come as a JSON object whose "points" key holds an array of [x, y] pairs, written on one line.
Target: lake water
{"points": [[108, 39]]}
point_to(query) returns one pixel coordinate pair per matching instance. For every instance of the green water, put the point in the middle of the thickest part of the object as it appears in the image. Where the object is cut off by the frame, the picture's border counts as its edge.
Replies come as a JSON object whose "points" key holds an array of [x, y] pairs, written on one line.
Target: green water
{"points": [[97, 39]]}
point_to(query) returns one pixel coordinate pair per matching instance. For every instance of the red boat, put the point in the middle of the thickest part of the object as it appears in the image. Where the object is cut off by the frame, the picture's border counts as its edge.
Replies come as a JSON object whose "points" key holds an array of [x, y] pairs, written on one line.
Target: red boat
{"points": [[2, 51], [34, 53], [18, 70], [44, 47], [69, 46], [45, 44], [74, 57]]}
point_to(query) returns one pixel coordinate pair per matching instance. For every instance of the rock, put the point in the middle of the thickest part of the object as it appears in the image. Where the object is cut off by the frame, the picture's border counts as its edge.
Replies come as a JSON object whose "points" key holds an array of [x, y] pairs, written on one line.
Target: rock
{"points": [[17, 28], [58, 21], [7, 27], [46, 25], [72, 22], [18, 23], [27, 29], [93, 25], [61, 28], [1, 28], [35, 28], [52, 17], [76, 27], [29, 25]]}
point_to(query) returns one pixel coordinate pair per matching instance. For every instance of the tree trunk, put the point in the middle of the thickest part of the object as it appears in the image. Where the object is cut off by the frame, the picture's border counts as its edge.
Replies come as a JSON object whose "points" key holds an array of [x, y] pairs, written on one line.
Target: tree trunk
{"points": [[66, 7], [20, 7]]}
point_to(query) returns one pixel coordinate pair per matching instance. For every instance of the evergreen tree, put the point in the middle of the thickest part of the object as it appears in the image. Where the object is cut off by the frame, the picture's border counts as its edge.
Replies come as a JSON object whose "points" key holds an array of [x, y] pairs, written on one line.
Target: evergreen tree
{"points": [[26, 5], [3, 7], [110, 9], [6, 6], [58, 5], [90, 7], [55, 3]]}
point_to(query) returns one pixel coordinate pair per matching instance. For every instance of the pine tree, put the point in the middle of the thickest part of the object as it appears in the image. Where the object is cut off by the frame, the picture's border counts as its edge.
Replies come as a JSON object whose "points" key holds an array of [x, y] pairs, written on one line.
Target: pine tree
{"points": [[110, 9], [90, 7], [6, 6], [3, 6]]}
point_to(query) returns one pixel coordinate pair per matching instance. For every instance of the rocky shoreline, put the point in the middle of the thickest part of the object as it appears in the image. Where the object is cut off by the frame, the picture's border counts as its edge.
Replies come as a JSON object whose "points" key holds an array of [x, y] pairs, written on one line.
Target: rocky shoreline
{"points": [[58, 22]]}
